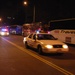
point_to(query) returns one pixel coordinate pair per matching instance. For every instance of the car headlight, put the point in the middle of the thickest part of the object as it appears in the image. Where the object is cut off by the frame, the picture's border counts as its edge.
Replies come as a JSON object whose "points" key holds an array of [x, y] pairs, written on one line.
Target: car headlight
{"points": [[2, 33], [49, 46], [65, 46], [24, 39], [7, 33]]}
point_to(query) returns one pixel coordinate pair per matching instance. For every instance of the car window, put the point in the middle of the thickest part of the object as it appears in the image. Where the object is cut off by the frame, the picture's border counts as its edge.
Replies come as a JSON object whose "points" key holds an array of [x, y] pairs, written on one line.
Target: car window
{"points": [[49, 37], [40, 37], [45, 37]]}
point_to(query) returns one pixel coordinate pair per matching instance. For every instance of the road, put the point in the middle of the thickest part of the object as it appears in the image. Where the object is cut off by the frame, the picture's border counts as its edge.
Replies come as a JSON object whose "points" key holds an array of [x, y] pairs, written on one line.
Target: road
{"points": [[16, 60]]}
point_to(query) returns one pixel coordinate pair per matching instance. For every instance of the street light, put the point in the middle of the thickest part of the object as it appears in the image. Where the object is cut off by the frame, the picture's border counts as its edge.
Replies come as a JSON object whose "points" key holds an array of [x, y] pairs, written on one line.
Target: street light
{"points": [[25, 3], [0, 19]]}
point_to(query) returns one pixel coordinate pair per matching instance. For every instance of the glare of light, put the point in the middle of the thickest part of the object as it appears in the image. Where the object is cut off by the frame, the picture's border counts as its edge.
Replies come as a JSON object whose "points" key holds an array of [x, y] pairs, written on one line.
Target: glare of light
{"points": [[37, 31], [0, 19], [65, 46], [48, 32], [24, 38], [25, 3], [49, 46], [2, 33], [7, 33], [4, 30]]}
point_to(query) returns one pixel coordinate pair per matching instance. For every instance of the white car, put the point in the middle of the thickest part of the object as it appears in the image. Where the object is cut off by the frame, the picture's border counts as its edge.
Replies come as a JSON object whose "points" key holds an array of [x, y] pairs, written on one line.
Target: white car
{"points": [[45, 43], [4, 32]]}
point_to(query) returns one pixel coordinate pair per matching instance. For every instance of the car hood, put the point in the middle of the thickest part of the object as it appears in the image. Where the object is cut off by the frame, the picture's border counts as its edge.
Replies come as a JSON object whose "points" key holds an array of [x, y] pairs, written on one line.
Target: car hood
{"points": [[52, 42]]}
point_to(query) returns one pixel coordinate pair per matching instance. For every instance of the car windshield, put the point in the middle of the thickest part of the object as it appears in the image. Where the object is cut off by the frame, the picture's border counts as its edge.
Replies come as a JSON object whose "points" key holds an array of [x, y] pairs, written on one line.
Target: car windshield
{"points": [[45, 37]]}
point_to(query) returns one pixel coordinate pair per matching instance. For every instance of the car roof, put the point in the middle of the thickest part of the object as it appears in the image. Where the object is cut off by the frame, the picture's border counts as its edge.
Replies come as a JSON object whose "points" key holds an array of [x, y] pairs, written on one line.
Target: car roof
{"points": [[42, 33], [39, 33]]}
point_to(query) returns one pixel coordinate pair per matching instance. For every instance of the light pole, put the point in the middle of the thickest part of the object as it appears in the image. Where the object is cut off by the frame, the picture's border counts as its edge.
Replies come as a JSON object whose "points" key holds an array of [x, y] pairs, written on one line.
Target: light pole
{"points": [[0, 19], [34, 14], [26, 3]]}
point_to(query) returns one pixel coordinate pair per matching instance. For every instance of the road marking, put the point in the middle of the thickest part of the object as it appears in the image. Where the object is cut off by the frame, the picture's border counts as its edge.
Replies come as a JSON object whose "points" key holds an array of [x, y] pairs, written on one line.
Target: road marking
{"points": [[41, 59]]}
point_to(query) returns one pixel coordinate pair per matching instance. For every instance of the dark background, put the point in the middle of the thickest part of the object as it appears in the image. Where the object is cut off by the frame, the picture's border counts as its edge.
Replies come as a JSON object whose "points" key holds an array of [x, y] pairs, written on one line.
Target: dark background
{"points": [[15, 12]]}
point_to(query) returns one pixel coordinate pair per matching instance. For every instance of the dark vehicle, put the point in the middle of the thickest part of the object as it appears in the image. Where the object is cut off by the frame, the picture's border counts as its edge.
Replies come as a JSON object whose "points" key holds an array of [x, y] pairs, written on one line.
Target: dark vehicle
{"points": [[15, 29]]}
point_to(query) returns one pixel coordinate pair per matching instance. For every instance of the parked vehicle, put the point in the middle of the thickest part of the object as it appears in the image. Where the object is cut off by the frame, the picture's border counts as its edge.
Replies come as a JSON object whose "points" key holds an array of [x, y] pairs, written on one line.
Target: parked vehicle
{"points": [[63, 29], [31, 28], [16, 29], [4, 31]]}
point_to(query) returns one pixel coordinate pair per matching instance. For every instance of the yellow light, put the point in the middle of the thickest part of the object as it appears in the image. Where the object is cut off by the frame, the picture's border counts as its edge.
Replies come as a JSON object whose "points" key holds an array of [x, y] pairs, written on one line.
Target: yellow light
{"points": [[65, 46], [25, 3], [0, 19], [24, 38], [49, 46], [7, 33]]}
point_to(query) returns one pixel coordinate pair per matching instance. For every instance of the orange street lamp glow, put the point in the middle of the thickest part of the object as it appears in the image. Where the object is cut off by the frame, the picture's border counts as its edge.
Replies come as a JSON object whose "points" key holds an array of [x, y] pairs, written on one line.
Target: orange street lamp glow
{"points": [[0, 19], [25, 3]]}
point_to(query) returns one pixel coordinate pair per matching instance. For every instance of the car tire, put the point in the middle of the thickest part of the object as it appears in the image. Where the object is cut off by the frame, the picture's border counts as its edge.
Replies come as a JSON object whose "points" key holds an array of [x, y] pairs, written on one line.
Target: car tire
{"points": [[39, 48], [26, 45]]}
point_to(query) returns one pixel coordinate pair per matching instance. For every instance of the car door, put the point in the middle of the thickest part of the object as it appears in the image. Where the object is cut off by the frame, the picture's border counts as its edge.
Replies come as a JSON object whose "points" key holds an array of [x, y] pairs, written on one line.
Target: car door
{"points": [[34, 41], [29, 40]]}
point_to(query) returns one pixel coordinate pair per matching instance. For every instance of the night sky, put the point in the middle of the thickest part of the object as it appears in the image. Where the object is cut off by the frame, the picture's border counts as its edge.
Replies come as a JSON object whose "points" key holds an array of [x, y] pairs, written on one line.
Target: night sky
{"points": [[15, 12]]}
